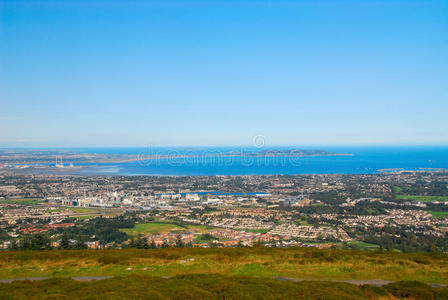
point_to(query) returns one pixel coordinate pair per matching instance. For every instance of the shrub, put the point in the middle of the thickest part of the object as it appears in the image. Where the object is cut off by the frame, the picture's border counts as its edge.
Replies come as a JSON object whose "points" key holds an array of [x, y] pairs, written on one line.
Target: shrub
{"points": [[407, 289]]}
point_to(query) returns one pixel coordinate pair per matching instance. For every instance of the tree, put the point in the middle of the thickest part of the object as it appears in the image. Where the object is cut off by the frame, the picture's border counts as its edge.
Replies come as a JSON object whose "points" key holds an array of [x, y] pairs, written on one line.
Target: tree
{"points": [[142, 243], [179, 242], [13, 245], [65, 242], [207, 237], [40, 241], [25, 243], [79, 243]]}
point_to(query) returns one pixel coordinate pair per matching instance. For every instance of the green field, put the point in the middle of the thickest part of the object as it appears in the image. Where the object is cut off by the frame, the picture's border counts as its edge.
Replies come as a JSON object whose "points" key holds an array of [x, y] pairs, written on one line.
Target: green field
{"points": [[199, 228], [151, 228], [362, 245], [302, 223], [84, 217], [423, 198], [161, 227], [397, 189], [23, 201], [84, 210], [439, 214]]}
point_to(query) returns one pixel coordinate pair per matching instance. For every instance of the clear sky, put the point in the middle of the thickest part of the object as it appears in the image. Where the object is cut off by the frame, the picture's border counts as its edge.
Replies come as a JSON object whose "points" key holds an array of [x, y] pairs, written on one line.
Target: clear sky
{"points": [[167, 73]]}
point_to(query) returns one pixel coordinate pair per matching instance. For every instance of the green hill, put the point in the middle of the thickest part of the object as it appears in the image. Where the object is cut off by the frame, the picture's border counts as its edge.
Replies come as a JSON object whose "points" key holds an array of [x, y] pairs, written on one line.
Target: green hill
{"points": [[224, 273]]}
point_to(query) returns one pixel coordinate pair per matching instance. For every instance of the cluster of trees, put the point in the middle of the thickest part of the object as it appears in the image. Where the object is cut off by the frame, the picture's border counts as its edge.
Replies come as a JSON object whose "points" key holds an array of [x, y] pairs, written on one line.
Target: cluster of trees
{"points": [[33, 242], [361, 208], [4, 235], [399, 238], [42, 241], [106, 230], [422, 187], [66, 244], [330, 198], [142, 243]]}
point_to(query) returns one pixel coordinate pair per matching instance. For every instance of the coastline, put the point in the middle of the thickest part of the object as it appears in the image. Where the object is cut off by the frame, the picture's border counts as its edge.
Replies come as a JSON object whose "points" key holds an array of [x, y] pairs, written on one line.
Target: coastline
{"points": [[134, 158], [205, 162]]}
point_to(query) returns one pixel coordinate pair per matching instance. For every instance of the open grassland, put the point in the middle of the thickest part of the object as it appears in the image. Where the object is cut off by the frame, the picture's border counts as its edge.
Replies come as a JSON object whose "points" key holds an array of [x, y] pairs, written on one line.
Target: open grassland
{"points": [[422, 198], [300, 263], [161, 227], [362, 245], [84, 210], [439, 214], [88, 213], [151, 228], [211, 287], [84, 217], [23, 201], [84, 213]]}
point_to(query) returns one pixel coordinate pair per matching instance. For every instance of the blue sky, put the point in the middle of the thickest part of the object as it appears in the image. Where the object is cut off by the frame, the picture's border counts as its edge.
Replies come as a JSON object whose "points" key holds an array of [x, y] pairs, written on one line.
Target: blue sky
{"points": [[175, 73]]}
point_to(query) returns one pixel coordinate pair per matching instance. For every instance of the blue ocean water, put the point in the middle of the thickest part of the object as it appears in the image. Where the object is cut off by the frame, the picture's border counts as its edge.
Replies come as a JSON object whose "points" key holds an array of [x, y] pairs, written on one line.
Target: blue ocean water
{"points": [[364, 160]]}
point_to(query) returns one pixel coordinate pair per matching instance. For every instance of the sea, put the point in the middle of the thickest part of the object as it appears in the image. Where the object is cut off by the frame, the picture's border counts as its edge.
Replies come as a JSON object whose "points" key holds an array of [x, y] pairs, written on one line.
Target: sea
{"points": [[212, 161]]}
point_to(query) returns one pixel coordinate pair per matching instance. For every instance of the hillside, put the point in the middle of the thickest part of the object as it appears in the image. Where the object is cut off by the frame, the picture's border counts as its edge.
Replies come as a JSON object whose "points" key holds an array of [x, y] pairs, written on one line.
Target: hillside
{"points": [[224, 273]]}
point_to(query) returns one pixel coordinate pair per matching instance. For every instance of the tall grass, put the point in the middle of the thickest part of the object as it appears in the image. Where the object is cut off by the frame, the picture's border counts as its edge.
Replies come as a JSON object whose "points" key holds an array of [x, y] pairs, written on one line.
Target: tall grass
{"points": [[211, 287], [302, 263]]}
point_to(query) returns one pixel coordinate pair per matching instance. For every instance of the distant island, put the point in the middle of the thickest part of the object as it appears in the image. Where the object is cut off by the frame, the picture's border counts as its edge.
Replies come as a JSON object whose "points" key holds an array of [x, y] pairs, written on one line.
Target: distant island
{"points": [[291, 152], [59, 157]]}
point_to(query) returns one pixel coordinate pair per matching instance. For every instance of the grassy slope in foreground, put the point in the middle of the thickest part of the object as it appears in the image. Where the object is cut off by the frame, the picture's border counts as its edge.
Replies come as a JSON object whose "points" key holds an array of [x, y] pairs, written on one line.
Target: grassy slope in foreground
{"points": [[301, 263], [211, 287]]}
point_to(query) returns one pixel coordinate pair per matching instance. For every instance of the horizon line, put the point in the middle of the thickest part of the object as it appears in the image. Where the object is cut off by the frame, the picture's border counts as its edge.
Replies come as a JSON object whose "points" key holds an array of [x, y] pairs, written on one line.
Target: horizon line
{"points": [[230, 145]]}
